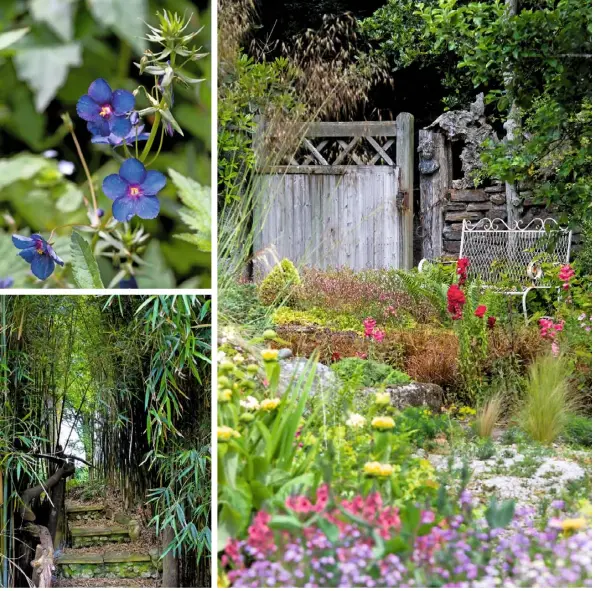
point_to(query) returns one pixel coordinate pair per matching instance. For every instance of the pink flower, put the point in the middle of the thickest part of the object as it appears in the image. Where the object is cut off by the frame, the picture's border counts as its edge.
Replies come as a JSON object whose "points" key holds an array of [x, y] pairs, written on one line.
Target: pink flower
{"points": [[378, 335], [555, 349], [462, 265], [491, 322], [361, 355], [369, 325], [566, 274]]}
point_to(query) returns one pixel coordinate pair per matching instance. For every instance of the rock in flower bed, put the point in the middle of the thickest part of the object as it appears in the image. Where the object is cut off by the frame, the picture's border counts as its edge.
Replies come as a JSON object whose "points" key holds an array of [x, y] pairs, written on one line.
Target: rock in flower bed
{"points": [[362, 543]]}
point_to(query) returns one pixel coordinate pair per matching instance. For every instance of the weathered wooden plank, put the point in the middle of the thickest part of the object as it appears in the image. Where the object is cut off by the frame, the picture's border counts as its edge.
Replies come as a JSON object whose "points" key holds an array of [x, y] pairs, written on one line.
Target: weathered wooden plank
{"points": [[433, 188], [404, 160], [319, 169], [350, 129], [321, 159]]}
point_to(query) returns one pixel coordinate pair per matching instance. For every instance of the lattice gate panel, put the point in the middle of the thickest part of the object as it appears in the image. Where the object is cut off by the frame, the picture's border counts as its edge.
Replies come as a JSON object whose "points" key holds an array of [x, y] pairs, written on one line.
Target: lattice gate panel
{"points": [[342, 198]]}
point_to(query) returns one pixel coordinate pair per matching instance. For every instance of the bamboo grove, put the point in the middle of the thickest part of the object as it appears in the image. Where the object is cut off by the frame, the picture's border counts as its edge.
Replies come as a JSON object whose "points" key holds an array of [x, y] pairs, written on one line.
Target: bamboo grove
{"points": [[130, 377]]}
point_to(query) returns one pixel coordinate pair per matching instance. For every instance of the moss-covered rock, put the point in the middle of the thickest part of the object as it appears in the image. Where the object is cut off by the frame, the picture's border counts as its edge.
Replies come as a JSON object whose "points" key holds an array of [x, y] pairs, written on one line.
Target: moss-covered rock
{"points": [[111, 565]]}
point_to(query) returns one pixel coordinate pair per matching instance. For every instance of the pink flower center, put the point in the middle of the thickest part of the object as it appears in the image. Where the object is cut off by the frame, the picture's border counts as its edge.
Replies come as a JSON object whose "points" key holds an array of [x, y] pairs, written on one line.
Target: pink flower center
{"points": [[134, 191], [39, 247], [105, 111]]}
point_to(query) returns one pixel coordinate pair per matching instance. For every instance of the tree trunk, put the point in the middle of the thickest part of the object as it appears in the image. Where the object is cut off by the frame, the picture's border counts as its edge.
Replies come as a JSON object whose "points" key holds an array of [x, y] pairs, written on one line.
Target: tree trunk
{"points": [[170, 562], [43, 562]]}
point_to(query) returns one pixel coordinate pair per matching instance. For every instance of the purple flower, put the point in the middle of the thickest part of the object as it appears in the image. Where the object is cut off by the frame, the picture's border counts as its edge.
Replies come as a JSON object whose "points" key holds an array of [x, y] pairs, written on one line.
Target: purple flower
{"points": [[114, 140], [134, 191], [6, 282], [104, 110], [36, 251]]}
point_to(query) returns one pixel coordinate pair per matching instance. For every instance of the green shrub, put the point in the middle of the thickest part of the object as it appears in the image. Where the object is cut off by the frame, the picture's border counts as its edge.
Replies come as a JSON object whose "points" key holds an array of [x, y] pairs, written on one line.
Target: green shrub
{"points": [[279, 285], [579, 431], [486, 449], [317, 316], [421, 424], [548, 404], [371, 373], [238, 304]]}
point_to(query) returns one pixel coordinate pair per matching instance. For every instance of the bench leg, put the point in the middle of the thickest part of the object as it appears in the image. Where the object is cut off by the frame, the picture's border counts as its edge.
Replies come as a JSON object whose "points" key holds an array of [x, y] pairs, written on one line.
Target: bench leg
{"points": [[525, 313]]}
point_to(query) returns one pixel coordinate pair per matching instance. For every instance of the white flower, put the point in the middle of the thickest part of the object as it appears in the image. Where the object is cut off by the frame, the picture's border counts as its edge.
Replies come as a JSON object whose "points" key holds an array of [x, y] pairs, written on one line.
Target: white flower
{"points": [[221, 356], [50, 154], [65, 167], [238, 358], [250, 403], [356, 421]]}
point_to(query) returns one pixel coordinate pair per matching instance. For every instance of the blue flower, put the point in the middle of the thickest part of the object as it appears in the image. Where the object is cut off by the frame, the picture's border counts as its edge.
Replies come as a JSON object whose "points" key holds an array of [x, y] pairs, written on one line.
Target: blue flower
{"points": [[114, 140], [36, 251], [134, 191], [104, 110], [129, 283], [6, 282]]}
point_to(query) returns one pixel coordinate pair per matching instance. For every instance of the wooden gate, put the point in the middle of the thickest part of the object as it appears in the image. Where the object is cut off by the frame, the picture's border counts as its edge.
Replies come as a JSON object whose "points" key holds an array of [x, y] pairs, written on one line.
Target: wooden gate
{"points": [[343, 198]]}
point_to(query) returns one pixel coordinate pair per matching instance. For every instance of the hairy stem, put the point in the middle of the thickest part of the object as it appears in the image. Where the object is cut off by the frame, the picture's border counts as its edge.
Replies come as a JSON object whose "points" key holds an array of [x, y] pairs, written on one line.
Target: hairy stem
{"points": [[85, 168]]}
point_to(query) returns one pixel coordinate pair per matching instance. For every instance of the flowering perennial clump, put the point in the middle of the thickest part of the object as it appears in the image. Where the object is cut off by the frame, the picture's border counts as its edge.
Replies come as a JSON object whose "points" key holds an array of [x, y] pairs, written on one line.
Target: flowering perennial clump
{"points": [[339, 547]]}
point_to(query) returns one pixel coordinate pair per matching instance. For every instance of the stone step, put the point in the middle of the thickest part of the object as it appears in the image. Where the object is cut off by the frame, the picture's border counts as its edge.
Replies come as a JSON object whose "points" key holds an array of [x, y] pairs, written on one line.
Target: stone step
{"points": [[77, 512], [106, 583], [108, 565], [98, 535]]}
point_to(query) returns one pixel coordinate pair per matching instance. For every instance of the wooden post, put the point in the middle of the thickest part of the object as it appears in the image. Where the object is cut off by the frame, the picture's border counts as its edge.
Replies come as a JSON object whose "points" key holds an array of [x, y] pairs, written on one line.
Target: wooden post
{"points": [[404, 142], [434, 184], [170, 562]]}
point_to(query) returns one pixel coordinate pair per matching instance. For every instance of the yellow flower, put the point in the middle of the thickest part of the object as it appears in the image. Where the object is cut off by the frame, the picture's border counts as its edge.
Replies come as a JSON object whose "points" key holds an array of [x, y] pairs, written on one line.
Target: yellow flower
{"points": [[383, 423], [224, 395], [269, 404], [382, 398], [270, 354], [378, 469], [573, 524], [222, 580], [224, 434]]}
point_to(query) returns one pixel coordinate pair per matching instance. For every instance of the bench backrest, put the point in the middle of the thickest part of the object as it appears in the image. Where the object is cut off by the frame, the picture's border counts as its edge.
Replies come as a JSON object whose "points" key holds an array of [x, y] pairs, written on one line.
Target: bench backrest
{"points": [[498, 253]]}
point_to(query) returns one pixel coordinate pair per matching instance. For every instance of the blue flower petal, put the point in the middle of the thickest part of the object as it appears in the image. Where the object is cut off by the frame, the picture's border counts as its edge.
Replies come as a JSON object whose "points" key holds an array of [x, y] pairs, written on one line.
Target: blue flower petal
{"points": [[133, 171], [114, 186], [100, 91], [99, 127], [87, 108], [123, 209], [153, 183], [22, 241], [8, 282], [98, 139], [120, 126], [129, 283], [54, 256], [28, 254], [122, 101], [42, 266], [147, 207]]}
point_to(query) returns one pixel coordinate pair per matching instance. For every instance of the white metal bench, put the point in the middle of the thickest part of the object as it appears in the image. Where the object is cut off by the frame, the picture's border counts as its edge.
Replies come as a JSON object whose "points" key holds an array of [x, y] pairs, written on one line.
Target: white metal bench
{"points": [[499, 254]]}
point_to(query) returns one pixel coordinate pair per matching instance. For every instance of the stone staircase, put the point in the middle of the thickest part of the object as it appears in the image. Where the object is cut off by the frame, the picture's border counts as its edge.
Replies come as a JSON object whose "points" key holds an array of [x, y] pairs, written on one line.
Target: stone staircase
{"points": [[98, 555]]}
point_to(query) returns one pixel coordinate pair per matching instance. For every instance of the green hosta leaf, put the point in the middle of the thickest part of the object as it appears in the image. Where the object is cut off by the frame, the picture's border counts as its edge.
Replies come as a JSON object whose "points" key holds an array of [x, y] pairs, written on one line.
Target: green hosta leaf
{"points": [[70, 199], [126, 18], [20, 167], [57, 14], [84, 266], [45, 69], [7, 39], [197, 211]]}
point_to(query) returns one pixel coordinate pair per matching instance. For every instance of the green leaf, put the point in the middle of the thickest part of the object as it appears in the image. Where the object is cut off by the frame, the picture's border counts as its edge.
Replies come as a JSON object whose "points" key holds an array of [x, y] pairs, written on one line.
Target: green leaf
{"points": [[57, 14], [45, 69], [7, 39], [84, 266], [155, 273], [20, 167], [126, 18], [70, 199], [197, 211], [286, 522]]}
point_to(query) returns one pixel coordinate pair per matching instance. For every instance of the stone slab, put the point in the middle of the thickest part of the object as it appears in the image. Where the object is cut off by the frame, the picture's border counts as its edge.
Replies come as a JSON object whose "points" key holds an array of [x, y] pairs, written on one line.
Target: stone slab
{"points": [[104, 530], [84, 508]]}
